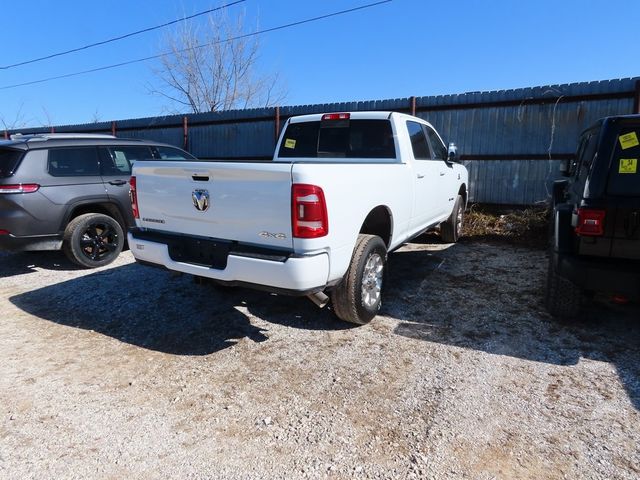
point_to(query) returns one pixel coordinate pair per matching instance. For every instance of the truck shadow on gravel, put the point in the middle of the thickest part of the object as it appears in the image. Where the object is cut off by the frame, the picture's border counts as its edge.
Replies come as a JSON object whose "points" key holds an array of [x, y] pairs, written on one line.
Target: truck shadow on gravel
{"points": [[152, 309], [28, 262], [475, 298]]}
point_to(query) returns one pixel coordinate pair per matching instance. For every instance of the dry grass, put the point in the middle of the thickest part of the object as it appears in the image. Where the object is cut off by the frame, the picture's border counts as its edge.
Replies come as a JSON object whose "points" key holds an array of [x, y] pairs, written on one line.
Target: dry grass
{"points": [[528, 226]]}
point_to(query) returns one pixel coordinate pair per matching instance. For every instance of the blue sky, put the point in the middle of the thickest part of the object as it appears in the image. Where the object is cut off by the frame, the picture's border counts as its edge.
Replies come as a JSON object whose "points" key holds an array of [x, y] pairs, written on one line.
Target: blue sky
{"points": [[398, 49]]}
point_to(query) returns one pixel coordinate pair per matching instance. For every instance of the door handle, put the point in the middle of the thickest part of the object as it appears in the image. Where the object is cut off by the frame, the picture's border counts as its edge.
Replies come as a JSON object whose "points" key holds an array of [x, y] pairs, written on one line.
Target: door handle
{"points": [[419, 175], [117, 182], [442, 174]]}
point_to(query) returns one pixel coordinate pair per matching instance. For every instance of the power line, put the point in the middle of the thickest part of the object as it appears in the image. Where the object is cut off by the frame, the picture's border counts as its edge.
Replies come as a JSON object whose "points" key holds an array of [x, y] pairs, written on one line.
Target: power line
{"points": [[153, 57], [121, 37]]}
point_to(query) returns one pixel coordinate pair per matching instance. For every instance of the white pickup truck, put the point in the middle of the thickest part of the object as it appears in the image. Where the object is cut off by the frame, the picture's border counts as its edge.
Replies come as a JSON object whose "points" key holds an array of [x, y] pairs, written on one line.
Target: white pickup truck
{"points": [[343, 189]]}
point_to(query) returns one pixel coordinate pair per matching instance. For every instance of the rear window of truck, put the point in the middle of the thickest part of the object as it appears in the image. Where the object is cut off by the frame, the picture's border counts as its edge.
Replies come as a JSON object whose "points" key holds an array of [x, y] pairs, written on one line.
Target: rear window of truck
{"points": [[339, 139], [624, 176], [9, 160]]}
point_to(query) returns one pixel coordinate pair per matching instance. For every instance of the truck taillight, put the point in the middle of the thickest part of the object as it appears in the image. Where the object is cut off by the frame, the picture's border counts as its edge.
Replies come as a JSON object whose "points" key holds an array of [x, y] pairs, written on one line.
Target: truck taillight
{"points": [[133, 196], [590, 222], [20, 188], [308, 211], [5, 232]]}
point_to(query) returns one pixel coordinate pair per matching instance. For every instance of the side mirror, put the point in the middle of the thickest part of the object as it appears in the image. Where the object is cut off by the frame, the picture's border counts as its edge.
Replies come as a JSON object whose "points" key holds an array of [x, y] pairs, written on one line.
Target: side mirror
{"points": [[559, 191], [452, 154], [565, 168]]}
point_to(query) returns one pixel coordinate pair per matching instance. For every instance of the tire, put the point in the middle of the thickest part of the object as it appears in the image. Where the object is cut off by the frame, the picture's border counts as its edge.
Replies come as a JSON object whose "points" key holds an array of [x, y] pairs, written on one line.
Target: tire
{"points": [[358, 297], [451, 228], [93, 240], [563, 297]]}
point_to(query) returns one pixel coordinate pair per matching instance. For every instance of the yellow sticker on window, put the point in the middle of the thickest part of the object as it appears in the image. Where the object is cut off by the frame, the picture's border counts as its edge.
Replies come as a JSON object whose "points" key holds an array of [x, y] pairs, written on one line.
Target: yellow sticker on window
{"points": [[628, 165], [289, 143], [628, 140]]}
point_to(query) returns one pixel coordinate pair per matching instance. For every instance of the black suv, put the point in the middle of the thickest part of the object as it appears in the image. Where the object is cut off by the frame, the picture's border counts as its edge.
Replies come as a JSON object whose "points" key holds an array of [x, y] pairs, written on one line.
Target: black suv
{"points": [[70, 191], [596, 223]]}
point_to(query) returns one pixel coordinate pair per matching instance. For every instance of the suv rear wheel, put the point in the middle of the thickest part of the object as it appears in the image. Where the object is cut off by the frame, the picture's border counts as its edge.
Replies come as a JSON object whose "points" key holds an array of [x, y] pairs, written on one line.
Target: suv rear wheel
{"points": [[93, 240]]}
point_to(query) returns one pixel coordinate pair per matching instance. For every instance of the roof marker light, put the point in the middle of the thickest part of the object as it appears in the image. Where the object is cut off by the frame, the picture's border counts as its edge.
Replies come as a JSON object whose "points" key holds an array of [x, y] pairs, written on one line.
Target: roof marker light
{"points": [[336, 116]]}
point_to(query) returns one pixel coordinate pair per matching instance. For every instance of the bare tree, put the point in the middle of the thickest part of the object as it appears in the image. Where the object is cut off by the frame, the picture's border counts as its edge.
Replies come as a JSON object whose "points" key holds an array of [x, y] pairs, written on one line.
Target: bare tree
{"points": [[48, 118], [215, 68], [17, 120], [95, 118]]}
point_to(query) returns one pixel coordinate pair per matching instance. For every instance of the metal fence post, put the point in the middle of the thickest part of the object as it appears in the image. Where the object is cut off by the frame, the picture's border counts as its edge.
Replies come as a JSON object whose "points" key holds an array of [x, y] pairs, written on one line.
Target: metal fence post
{"points": [[277, 124], [185, 133]]}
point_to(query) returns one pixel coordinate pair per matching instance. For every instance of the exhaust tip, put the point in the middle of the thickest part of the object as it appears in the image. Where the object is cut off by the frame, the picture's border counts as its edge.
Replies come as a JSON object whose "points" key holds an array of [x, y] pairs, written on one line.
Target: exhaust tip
{"points": [[319, 298]]}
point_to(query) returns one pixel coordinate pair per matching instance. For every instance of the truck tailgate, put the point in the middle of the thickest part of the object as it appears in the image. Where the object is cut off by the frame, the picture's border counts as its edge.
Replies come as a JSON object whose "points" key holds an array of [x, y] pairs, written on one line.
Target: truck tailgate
{"points": [[249, 203]]}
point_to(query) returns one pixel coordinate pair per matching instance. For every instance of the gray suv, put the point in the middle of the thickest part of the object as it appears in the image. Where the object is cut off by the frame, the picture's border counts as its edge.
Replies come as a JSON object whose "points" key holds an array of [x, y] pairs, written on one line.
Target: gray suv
{"points": [[71, 192]]}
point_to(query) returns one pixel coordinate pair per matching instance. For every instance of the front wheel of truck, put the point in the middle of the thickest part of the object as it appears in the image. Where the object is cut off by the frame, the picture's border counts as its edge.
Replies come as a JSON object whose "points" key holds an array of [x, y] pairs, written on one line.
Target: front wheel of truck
{"points": [[451, 228], [358, 297]]}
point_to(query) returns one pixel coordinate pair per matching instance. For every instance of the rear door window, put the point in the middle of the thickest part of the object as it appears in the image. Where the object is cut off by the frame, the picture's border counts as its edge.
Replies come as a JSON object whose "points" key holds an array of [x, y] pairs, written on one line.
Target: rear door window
{"points": [[73, 162], [118, 160], [168, 153], [624, 176], [339, 139], [9, 160]]}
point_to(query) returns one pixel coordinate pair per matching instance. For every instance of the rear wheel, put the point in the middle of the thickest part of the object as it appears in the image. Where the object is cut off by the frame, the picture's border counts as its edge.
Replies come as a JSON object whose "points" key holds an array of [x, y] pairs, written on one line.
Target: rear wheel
{"points": [[563, 297], [93, 240], [358, 297], [451, 228]]}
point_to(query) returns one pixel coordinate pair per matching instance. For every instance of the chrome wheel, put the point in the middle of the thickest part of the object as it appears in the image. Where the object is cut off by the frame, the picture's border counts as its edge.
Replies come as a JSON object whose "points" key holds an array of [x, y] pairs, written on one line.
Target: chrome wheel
{"points": [[459, 223], [372, 280]]}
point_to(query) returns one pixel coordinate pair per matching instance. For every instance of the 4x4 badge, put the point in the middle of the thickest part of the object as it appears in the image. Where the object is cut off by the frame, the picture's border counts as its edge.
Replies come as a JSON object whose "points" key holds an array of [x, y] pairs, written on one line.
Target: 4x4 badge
{"points": [[200, 199]]}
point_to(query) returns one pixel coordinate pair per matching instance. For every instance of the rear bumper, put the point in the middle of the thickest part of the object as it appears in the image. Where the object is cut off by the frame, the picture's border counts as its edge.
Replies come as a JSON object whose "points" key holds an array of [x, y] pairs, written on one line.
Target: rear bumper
{"points": [[601, 275], [12, 243], [294, 275]]}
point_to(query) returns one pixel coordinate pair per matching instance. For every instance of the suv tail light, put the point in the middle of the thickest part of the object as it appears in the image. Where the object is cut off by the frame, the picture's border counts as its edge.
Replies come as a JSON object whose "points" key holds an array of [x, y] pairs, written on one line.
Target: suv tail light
{"points": [[590, 222], [20, 188], [133, 196], [308, 211], [5, 232]]}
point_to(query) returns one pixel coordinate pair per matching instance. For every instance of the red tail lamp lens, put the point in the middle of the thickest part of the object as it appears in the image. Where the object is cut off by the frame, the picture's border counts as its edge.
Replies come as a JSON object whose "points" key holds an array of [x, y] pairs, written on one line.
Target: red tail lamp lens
{"points": [[133, 196], [309, 211], [590, 222]]}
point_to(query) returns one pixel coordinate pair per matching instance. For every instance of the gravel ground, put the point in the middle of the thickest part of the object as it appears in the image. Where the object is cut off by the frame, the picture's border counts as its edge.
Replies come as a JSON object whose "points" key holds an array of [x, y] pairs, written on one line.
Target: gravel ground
{"points": [[128, 371]]}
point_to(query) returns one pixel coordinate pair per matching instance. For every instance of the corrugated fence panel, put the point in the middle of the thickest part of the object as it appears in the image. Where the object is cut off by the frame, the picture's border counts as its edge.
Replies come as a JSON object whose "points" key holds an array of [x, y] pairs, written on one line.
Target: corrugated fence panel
{"points": [[521, 130], [233, 140], [511, 182], [512, 141], [170, 135]]}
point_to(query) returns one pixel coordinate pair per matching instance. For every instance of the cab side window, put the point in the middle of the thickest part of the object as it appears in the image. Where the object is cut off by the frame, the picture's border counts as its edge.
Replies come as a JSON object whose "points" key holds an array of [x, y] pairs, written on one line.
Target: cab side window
{"points": [[439, 150], [573, 166], [418, 141], [586, 157]]}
